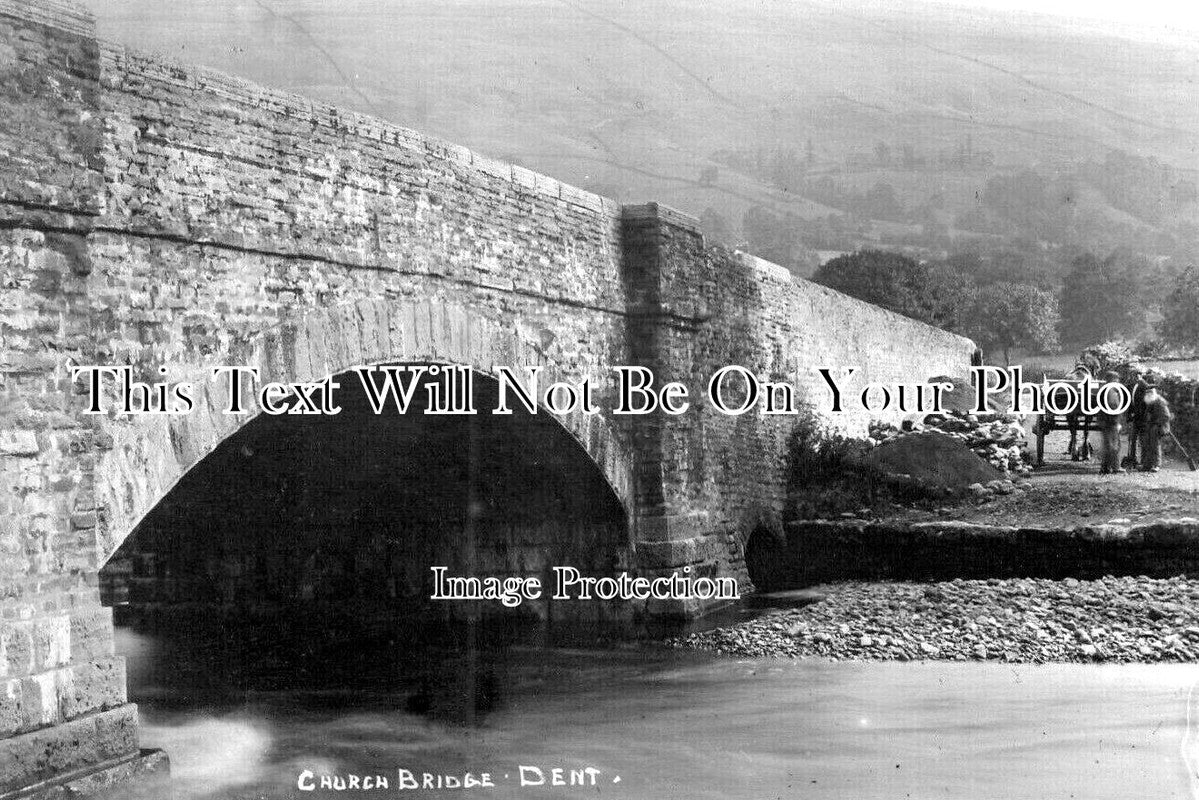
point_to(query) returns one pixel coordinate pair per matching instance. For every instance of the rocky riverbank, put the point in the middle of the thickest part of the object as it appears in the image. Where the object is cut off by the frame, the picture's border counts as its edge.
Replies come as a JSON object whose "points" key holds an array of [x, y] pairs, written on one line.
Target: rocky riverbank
{"points": [[1018, 620]]}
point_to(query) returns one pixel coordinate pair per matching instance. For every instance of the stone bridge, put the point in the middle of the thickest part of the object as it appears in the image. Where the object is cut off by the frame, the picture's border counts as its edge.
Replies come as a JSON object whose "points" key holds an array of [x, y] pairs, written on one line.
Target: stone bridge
{"points": [[174, 219]]}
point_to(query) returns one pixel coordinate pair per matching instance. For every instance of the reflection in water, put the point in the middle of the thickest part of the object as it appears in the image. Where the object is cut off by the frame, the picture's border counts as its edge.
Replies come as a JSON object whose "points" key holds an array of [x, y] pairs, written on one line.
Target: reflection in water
{"points": [[682, 725]]}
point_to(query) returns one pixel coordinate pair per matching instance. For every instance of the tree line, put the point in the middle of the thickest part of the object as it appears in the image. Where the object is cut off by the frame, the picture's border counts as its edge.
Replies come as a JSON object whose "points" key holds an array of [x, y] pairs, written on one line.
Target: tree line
{"points": [[1098, 299]]}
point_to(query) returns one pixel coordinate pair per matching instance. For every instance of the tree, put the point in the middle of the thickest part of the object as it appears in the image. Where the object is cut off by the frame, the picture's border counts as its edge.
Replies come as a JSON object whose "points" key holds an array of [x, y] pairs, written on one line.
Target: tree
{"points": [[1099, 358], [1007, 315], [898, 283], [772, 237], [1180, 311], [1101, 300], [1005, 265], [882, 202]]}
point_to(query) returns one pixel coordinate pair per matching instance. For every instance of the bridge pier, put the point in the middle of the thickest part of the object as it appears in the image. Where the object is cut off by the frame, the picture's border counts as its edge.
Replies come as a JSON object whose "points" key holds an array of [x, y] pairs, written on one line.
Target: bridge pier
{"points": [[688, 316], [66, 727]]}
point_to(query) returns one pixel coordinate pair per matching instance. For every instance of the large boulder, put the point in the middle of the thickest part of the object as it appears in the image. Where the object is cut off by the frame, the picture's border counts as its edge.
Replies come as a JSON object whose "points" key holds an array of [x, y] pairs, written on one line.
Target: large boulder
{"points": [[959, 399], [931, 459]]}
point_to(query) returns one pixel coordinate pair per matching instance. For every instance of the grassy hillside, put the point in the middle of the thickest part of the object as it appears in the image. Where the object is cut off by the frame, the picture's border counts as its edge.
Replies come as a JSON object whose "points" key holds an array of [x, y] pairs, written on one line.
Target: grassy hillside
{"points": [[641, 100]]}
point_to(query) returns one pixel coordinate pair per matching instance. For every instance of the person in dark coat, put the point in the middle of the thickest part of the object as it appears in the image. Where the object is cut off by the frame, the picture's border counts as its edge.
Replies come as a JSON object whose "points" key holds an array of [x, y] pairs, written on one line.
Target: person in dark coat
{"points": [[1109, 434], [1157, 425], [1136, 418]]}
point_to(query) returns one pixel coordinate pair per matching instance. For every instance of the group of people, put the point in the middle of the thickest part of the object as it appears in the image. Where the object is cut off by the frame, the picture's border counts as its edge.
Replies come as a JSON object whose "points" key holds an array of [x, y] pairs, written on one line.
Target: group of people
{"points": [[1148, 421]]}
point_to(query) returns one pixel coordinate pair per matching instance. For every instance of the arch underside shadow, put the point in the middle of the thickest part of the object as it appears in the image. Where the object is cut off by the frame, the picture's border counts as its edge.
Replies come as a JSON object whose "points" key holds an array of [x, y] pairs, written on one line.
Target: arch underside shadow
{"points": [[331, 524], [149, 454]]}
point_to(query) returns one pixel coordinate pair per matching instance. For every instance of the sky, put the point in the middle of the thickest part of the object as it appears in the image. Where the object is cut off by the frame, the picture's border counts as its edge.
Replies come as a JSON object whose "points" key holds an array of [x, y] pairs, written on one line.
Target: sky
{"points": [[1180, 16]]}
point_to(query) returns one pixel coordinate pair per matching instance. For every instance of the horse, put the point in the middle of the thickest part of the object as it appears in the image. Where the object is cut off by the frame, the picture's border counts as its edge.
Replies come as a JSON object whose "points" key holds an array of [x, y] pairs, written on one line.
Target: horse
{"points": [[1076, 420]]}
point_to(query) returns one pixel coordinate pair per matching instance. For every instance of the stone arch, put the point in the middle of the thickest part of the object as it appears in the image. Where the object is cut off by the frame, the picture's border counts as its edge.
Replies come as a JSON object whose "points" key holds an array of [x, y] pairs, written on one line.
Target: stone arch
{"points": [[144, 457], [765, 562]]}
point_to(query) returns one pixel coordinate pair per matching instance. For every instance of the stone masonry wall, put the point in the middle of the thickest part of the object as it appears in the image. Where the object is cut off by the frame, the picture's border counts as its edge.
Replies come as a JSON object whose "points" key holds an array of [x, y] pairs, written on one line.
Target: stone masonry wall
{"points": [[231, 210], [820, 552], [59, 679], [714, 479]]}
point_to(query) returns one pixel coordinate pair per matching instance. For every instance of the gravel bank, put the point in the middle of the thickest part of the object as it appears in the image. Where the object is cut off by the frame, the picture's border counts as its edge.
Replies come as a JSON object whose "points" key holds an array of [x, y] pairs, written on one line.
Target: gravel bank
{"points": [[1020, 620]]}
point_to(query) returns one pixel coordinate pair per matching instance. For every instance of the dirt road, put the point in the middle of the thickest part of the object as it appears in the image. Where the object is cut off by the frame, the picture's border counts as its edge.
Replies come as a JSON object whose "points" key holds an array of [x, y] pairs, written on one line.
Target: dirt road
{"points": [[1066, 493]]}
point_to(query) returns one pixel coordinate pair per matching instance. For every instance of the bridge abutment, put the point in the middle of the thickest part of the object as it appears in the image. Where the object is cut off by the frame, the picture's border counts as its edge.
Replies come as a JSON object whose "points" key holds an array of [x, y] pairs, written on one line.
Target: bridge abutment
{"points": [[66, 727]]}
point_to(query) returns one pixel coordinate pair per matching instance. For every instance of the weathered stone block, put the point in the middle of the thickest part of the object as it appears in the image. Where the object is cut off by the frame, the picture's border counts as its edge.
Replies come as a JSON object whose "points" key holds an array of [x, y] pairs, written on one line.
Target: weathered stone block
{"points": [[670, 527], [54, 696], [33, 645], [91, 633], [18, 444], [143, 776], [43, 754]]}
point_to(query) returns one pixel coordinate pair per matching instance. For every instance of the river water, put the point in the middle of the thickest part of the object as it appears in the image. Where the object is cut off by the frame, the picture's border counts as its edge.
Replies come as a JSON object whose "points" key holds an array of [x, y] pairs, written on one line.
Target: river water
{"points": [[656, 725]]}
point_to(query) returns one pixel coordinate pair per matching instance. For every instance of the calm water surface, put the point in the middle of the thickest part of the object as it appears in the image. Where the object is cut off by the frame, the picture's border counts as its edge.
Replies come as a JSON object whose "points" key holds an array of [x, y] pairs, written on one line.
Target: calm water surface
{"points": [[682, 725]]}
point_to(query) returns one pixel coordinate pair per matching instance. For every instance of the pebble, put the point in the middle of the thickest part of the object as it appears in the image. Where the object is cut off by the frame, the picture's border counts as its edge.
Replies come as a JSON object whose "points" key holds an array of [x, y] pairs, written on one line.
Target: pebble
{"points": [[1034, 620]]}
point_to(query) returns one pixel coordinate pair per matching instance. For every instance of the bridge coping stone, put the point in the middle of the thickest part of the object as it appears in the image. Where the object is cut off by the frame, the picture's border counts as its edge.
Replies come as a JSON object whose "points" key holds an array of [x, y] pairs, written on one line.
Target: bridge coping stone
{"points": [[662, 213], [66, 15]]}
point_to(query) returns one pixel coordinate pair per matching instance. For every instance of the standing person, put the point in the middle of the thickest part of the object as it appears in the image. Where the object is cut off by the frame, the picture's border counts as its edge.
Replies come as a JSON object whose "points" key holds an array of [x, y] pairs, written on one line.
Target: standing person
{"points": [[1157, 424], [1077, 421], [1136, 417], [1109, 434]]}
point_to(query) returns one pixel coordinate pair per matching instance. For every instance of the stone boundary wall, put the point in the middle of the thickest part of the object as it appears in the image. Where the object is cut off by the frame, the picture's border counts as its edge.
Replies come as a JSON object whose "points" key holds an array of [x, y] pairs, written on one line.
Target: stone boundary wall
{"points": [[818, 551]]}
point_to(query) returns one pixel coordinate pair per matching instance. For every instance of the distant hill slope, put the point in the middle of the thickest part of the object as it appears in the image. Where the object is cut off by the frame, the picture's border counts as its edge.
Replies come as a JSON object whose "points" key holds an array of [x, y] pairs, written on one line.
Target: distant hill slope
{"points": [[637, 98]]}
